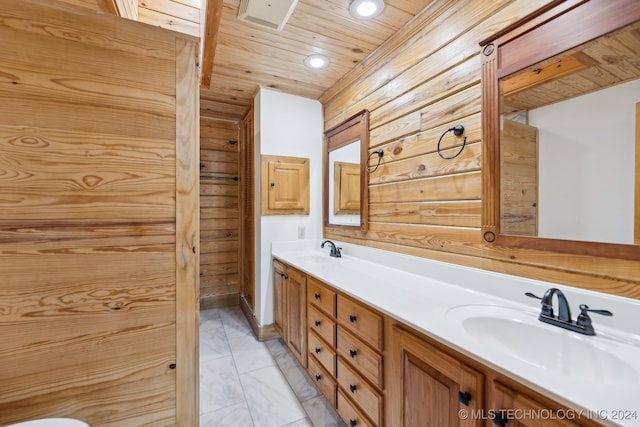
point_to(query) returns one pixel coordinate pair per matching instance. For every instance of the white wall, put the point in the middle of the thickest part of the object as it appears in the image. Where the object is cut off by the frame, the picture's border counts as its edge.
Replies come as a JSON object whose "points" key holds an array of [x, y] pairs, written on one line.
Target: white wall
{"points": [[285, 125], [586, 165]]}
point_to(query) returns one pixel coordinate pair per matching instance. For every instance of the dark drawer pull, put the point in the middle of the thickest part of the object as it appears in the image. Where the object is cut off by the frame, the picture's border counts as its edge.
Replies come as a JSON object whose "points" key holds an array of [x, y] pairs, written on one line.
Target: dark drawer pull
{"points": [[353, 423], [464, 397], [318, 350], [318, 377], [353, 353], [352, 319], [317, 322], [353, 388], [499, 419], [317, 296]]}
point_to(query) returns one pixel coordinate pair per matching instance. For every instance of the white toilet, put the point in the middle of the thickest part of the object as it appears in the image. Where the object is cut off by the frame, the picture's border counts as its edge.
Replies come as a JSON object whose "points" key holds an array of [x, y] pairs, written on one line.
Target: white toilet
{"points": [[51, 422]]}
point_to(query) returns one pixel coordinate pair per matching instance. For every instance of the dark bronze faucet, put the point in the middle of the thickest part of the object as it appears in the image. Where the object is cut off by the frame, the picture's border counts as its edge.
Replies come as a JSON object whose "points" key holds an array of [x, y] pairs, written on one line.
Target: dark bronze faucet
{"points": [[582, 324], [335, 251]]}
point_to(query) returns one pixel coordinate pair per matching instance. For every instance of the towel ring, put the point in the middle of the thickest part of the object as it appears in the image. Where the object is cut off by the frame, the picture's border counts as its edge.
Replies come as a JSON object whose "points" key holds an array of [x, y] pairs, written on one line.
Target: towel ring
{"points": [[457, 131], [380, 153]]}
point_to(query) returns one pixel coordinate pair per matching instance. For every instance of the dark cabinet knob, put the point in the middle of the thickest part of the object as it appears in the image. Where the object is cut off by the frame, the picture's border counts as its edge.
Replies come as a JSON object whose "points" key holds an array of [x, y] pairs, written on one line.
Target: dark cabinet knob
{"points": [[318, 350], [317, 296], [286, 277], [353, 388], [281, 274], [352, 319], [273, 184], [318, 377], [317, 322], [353, 353], [353, 423], [464, 397]]}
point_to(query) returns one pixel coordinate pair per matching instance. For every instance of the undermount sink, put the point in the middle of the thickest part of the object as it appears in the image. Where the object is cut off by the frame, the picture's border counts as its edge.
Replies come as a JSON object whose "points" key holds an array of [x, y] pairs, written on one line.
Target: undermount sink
{"points": [[519, 334]]}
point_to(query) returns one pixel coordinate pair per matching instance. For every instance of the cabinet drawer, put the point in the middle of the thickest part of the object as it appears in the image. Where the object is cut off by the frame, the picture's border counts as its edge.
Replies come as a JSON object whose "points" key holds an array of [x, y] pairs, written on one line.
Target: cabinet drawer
{"points": [[323, 380], [349, 414], [322, 352], [360, 321], [321, 324], [366, 361], [363, 394], [320, 295]]}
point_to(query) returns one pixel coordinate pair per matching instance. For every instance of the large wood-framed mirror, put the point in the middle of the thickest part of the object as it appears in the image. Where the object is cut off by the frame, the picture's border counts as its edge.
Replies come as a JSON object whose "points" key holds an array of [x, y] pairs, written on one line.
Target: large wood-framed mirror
{"points": [[561, 95], [345, 193]]}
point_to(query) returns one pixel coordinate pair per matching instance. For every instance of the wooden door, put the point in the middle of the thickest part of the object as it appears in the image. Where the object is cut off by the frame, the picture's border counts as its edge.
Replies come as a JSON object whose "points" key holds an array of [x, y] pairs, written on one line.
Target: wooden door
{"points": [[247, 232], [279, 292], [428, 386], [296, 312]]}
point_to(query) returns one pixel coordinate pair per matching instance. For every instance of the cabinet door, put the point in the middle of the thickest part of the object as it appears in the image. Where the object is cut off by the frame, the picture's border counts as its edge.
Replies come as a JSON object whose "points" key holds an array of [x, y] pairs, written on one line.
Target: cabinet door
{"points": [[431, 388], [515, 408], [285, 185], [296, 314], [279, 303]]}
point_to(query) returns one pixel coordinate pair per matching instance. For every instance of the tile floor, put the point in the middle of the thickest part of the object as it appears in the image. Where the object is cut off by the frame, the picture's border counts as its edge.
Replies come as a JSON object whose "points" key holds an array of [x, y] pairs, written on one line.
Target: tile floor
{"points": [[247, 383]]}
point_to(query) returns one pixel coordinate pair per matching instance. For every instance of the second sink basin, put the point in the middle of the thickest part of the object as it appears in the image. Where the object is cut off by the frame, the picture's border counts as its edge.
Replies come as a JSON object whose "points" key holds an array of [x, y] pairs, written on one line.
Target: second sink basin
{"points": [[520, 334]]}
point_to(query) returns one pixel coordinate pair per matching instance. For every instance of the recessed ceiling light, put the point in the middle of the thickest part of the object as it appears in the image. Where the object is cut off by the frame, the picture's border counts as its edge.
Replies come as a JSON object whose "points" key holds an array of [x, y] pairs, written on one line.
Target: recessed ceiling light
{"points": [[316, 61], [366, 9]]}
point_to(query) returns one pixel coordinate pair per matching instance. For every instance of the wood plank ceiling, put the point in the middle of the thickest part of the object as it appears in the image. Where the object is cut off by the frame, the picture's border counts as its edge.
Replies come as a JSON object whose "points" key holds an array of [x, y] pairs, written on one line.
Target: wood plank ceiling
{"points": [[592, 66], [247, 56]]}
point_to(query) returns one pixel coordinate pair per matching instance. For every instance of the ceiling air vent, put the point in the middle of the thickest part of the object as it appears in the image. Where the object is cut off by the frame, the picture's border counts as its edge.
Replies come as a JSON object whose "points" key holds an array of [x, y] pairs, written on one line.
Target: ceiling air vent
{"points": [[270, 13]]}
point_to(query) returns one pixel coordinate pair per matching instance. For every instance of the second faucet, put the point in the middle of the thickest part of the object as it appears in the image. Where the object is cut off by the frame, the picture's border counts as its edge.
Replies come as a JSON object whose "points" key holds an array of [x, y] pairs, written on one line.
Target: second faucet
{"points": [[335, 251]]}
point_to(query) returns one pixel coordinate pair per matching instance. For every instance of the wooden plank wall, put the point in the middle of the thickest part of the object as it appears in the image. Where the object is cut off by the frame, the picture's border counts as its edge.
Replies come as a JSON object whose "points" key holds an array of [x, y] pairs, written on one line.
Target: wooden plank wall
{"points": [[182, 16], [177, 15], [219, 212], [423, 80], [88, 218]]}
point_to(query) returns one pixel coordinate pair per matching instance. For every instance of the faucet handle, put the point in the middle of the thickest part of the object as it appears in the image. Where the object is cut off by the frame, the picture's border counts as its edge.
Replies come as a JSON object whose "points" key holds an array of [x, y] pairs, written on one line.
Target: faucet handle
{"points": [[547, 309], [583, 317]]}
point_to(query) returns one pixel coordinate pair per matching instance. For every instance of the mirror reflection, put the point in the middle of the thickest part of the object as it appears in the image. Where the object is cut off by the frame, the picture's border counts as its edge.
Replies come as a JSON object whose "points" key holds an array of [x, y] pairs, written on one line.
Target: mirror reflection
{"points": [[569, 143], [345, 192], [344, 185]]}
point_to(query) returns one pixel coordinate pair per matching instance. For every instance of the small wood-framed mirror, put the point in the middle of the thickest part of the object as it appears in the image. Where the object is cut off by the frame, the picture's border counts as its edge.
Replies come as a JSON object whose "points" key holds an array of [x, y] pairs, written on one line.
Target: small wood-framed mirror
{"points": [[345, 195], [582, 58]]}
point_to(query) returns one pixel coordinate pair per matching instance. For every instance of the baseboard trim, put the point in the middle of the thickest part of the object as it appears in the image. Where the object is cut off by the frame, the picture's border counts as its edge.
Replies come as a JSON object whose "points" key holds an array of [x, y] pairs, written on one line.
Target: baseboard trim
{"points": [[262, 333], [217, 301]]}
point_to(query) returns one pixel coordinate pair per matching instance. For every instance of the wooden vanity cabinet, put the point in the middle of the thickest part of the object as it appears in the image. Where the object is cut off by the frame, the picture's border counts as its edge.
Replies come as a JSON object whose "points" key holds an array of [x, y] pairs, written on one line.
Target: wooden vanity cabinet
{"points": [[359, 371], [321, 327], [513, 405], [377, 371], [296, 312], [429, 386], [290, 309], [279, 305]]}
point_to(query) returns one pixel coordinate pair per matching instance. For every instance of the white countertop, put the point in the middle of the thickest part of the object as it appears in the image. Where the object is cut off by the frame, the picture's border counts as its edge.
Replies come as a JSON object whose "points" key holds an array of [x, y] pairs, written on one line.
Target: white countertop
{"points": [[429, 295]]}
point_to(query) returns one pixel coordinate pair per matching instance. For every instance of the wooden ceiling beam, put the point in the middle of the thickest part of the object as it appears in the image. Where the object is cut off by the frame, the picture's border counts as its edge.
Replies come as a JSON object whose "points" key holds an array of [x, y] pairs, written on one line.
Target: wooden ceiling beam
{"points": [[210, 40], [127, 9], [124, 8]]}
